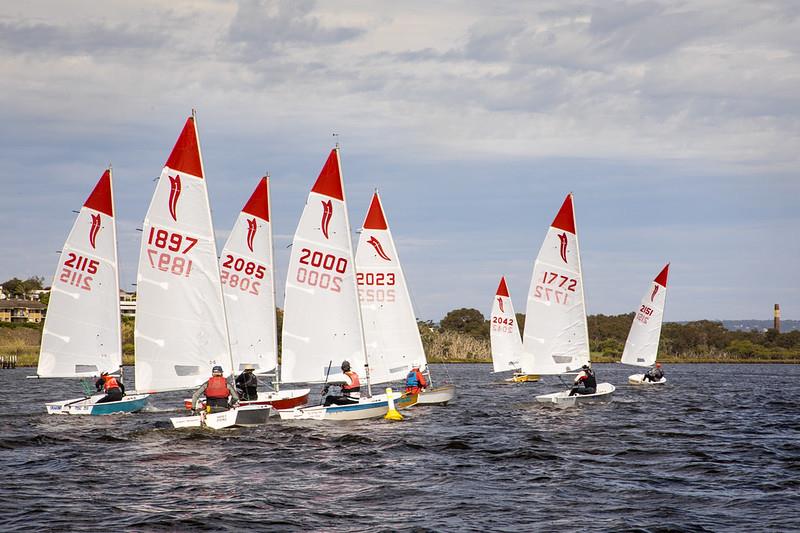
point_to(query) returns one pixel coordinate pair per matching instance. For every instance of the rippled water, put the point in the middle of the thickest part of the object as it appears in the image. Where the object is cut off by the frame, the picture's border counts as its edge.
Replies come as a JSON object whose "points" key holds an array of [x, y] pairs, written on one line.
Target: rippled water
{"points": [[717, 448]]}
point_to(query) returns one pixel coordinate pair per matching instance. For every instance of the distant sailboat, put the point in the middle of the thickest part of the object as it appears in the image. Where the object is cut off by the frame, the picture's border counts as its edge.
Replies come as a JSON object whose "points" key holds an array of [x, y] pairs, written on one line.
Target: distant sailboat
{"points": [[641, 348], [505, 338], [392, 336], [181, 330], [248, 283], [322, 324], [82, 335], [556, 339]]}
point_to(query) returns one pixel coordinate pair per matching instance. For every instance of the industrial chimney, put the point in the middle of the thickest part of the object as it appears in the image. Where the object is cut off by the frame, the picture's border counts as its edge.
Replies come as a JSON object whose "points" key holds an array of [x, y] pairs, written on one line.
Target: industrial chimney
{"points": [[777, 318]]}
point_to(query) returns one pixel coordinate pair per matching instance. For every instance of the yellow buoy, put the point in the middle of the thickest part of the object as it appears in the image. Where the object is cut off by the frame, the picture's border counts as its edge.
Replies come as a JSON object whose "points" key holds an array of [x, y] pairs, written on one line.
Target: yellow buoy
{"points": [[393, 413]]}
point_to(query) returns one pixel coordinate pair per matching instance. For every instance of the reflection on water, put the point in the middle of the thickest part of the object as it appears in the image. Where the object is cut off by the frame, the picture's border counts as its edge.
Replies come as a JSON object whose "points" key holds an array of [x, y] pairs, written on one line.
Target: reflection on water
{"points": [[717, 448]]}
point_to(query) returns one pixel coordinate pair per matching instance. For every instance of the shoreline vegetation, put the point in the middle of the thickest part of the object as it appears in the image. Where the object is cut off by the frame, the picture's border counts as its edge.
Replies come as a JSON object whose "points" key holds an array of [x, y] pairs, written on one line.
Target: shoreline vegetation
{"points": [[462, 336]]}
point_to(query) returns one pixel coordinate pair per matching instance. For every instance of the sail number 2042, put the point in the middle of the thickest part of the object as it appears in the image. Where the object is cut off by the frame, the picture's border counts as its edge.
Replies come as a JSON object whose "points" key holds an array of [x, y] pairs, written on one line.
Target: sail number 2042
{"points": [[170, 242], [555, 287]]}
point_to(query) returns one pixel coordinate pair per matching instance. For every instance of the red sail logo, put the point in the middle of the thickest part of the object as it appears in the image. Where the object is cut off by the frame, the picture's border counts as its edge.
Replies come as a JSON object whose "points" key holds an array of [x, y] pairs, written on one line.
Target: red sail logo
{"points": [[94, 230], [251, 232], [563, 239], [327, 213], [500, 303], [174, 194], [655, 290], [378, 248]]}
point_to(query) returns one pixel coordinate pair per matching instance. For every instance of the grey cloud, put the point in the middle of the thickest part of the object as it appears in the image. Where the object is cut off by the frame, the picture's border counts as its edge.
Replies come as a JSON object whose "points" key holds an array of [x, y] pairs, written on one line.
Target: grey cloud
{"points": [[91, 39], [263, 26]]}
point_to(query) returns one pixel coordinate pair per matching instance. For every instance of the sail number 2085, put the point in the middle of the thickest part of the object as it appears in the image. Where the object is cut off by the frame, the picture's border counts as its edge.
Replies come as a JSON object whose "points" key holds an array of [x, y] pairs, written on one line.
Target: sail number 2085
{"points": [[320, 262]]}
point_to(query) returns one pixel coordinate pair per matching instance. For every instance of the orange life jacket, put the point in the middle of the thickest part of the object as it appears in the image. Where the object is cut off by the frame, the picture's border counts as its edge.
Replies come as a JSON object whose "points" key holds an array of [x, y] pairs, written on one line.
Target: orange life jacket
{"points": [[217, 387], [355, 384], [110, 382]]}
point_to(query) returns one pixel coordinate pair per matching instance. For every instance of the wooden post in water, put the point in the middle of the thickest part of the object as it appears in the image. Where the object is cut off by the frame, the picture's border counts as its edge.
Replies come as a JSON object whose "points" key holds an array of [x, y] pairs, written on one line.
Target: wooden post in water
{"points": [[777, 318]]}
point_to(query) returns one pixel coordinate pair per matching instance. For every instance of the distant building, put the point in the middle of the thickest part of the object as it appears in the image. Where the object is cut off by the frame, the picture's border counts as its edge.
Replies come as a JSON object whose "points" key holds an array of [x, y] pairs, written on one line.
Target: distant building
{"points": [[127, 303], [12, 310], [37, 294]]}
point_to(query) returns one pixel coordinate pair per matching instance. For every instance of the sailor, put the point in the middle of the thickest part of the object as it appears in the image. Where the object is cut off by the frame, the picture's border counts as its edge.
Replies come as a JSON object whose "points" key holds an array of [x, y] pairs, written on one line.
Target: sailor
{"points": [[247, 384], [217, 389], [415, 380], [350, 388], [112, 386], [654, 374], [585, 382]]}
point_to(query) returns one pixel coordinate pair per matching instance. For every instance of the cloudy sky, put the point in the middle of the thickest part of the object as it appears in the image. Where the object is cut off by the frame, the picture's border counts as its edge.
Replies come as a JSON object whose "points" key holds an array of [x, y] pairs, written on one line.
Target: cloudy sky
{"points": [[674, 123]]}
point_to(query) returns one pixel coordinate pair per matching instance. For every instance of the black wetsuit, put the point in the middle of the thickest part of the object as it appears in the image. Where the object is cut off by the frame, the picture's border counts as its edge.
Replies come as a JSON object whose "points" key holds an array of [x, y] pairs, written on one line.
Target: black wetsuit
{"points": [[587, 385], [247, 385], [654, 374], [113, 394]]}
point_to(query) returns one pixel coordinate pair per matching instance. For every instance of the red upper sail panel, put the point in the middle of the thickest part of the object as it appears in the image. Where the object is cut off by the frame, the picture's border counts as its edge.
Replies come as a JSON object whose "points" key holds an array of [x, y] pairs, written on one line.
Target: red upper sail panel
{"points": [[100, 199], [502, 290], [375, 217], [661, 279], [185, 157], [565, 219], [258, 204], [329, 181]]}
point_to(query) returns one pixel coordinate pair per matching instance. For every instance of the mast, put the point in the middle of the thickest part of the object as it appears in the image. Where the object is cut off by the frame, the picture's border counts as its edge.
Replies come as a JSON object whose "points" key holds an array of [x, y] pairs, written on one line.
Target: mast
{"points": [[580, 269], [277, 383]]}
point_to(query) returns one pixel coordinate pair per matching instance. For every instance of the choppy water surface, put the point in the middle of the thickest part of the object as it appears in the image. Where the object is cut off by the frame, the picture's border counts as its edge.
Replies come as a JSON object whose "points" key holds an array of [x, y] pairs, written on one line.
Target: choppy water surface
{"points": [[717, 448]]}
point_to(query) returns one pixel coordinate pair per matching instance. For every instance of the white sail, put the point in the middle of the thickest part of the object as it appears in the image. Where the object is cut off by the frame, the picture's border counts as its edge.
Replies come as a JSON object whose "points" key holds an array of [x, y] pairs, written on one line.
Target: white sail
{"points": [[246, 268], [504, 335], [322, 319], [641, 348], [556, 339], [390, 325], [81, 335], [180, 319]]}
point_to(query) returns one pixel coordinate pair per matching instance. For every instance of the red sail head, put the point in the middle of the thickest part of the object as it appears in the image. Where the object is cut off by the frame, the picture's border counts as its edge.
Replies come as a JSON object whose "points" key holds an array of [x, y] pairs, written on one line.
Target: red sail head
{"points": [[378, 248], [500, 303], [655, 290], [327, 213], [563, 239], [94, 229], [174, 194], [252, 228]]}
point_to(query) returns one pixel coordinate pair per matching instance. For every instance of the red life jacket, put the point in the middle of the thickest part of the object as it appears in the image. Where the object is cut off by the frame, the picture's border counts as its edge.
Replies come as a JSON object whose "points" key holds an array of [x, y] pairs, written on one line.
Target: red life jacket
{"points": [[217, 387], [110, 382], [355, 384]]}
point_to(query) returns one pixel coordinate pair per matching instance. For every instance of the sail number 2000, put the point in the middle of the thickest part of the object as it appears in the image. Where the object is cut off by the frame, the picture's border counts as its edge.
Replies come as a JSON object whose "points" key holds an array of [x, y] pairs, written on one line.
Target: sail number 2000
{"points": [[555, 288], [316, 276]]}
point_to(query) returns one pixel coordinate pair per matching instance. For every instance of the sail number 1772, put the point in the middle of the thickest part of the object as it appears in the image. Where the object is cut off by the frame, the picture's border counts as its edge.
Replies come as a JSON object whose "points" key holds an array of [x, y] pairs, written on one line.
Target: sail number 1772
{"points": [[555, 287]]}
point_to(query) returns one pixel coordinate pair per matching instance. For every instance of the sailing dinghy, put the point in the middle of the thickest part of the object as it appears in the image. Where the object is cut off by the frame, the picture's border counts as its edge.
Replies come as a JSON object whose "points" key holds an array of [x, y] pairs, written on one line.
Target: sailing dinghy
{"points": [[641, 348], [181, 330], [322, 322], [505, 338], [82, 333], [392, 336], [248, 284], [556, 338]]}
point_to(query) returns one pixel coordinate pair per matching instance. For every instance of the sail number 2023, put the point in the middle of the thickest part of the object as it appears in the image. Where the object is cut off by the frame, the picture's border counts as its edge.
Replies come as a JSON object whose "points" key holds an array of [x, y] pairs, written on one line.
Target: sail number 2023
{"points": [[316, 276], [555, 288]]}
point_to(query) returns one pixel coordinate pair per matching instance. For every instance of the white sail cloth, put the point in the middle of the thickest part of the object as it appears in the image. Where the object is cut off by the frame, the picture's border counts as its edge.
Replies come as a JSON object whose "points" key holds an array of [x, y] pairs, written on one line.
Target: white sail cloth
{"points": [[322, 320], [246, 268], [181, 331], [641, 347], [81, 335], [390, 326], [504, 333], [555, 339]]}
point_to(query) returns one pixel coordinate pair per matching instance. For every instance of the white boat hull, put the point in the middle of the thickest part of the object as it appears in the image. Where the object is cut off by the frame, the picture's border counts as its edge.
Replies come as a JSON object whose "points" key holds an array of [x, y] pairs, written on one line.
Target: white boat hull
{"points": [[437, 395], [366, 408], [89, 406], [638, 379], [284, 399], [563, 399], [244, 416]]}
